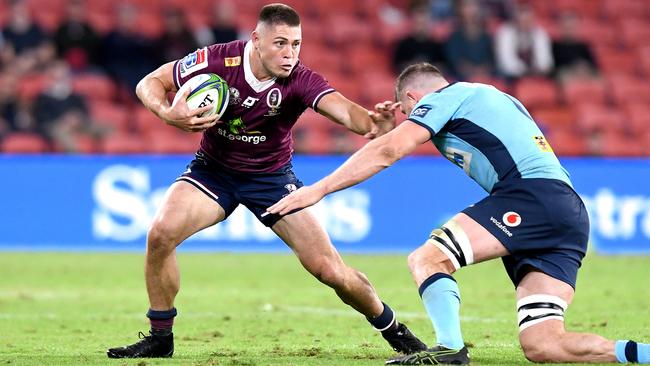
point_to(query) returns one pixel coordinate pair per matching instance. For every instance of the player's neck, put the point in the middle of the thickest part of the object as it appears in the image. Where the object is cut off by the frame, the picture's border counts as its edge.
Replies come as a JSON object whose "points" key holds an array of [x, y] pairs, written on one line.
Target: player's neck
{"points": [[259, 71]]}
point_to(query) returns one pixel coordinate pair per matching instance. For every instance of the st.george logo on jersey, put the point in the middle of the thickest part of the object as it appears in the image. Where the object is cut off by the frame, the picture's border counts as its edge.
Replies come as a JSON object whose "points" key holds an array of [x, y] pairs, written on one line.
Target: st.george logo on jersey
{"points": [[421, 112]]}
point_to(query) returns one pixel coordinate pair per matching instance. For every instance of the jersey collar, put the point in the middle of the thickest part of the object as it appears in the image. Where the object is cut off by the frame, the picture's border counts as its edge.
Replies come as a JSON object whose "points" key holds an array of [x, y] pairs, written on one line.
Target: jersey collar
{"points": [[255, 84]]}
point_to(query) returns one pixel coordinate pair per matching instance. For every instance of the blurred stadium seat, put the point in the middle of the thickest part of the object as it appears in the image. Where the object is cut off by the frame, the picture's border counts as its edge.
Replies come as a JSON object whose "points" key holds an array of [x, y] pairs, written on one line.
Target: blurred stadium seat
{"points": [[579, 91], [110, 114], [536, 92], [123, 143], [94, 86], [23, 142]]}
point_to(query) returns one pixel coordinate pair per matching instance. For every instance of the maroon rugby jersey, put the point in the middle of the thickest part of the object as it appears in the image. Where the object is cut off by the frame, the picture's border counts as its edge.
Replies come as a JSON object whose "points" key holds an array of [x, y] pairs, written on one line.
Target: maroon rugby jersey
{"points": [[255, 133]]}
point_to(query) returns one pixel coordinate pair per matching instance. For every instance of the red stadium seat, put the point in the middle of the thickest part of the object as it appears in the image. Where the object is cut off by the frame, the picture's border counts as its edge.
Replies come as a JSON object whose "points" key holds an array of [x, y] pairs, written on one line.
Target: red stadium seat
{"points": [[84, 145], [635, 32], [102, 22], [23, 142], [323, 59], [565, 142], [173, 143], [552, 118], [582, 8], [123, 143], [627, 89], [150, 24], [618, 144], [30, 86], [348, 32], [579, 91], [638, 117], [111, 114], [536, 92], [362, 58], [597, 117], [598, 32], [314, 121], [377, 87], [94, 87], [144, 120], [615, 60], [624, 9]]}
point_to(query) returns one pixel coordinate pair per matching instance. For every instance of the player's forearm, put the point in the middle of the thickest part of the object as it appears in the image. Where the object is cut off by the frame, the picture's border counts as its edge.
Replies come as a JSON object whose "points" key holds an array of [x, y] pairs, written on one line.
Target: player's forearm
{"points": [[374, 157], [358, 120]]}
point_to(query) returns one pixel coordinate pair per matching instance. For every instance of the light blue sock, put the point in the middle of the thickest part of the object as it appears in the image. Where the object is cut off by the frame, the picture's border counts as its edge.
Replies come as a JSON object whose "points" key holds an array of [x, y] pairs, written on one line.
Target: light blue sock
{"points": [[630, 351], [441, 298]]}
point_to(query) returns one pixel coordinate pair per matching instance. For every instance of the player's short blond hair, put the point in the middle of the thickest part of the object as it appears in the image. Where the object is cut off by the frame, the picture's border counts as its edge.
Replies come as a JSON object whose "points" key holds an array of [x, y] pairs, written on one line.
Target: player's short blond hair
{"points": [[413, 72]]}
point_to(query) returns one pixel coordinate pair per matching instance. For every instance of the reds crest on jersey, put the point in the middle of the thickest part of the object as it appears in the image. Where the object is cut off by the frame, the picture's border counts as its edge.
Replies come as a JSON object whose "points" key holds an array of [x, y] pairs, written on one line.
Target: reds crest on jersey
{"points": [[195, 61]]}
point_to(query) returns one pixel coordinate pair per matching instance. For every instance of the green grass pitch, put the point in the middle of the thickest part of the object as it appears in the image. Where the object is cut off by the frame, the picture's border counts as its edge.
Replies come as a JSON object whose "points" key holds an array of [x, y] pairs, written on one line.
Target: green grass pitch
{"points": [[264, 309]]}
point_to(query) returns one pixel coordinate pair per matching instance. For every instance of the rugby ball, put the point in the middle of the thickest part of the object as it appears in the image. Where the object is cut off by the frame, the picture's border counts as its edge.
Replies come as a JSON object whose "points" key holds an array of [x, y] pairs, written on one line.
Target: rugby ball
{"points": [[206, 89]]}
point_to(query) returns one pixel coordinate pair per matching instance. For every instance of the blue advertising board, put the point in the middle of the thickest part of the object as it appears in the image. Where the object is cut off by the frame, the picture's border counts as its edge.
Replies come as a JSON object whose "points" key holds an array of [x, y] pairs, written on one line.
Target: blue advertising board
{"points": [[107, 202]]}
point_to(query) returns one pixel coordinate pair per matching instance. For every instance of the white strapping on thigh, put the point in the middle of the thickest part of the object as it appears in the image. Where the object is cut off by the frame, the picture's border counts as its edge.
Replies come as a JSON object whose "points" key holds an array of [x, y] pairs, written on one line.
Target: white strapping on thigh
{"points": [[535, 309], [452, 240]]}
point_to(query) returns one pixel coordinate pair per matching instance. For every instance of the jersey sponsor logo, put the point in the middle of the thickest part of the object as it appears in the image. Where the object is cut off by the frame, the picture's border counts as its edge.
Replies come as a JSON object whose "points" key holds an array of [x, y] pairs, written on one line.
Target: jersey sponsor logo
{"points": [[232, 61], [273, 100], [543, 145], [511, 219], [249, 102], [421, 111], [193, 62], [501, 226], [236, 131]]}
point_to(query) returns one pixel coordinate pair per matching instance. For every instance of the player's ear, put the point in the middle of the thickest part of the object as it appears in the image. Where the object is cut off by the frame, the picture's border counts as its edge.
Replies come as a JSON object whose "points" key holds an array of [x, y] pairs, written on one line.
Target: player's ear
{"points": [[412, 96]]}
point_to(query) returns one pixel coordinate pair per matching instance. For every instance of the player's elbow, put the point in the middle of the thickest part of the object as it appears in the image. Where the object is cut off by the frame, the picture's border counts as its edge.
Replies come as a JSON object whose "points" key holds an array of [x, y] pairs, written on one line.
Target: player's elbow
{"points": [[388, 153]]}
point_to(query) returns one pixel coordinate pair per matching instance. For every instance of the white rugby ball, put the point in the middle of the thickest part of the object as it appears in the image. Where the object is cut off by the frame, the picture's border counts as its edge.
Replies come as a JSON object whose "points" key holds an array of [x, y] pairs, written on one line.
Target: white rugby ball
{"points": [[206, 89]]}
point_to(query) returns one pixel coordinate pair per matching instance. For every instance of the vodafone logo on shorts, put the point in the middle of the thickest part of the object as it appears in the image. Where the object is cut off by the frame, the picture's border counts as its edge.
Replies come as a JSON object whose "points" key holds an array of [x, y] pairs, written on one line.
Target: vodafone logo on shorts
{"points": [[511, 219]]}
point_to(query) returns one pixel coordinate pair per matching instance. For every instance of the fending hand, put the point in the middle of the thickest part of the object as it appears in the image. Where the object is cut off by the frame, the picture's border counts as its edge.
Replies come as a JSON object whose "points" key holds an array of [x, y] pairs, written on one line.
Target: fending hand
{"points": [[302, 197]]}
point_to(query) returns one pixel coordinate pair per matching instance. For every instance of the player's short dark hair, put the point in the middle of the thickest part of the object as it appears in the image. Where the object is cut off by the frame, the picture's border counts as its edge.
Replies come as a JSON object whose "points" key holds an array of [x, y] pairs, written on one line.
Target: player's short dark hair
{"points": [[411, 72], [277, 13]]}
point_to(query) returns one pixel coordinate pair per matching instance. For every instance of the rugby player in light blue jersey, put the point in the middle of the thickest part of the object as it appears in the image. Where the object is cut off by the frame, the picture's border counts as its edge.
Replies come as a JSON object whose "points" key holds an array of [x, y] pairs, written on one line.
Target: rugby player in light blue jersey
{"points": [[532, 218]]}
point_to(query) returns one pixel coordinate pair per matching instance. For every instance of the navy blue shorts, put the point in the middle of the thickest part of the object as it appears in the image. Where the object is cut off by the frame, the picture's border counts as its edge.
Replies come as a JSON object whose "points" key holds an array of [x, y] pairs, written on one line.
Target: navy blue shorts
{"points": [[256, 191], [542, 222]]}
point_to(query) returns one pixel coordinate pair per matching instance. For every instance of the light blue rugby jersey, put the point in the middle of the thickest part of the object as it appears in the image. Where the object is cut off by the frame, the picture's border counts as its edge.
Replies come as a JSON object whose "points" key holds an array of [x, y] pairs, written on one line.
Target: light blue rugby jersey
{"points": [[488, 133]]}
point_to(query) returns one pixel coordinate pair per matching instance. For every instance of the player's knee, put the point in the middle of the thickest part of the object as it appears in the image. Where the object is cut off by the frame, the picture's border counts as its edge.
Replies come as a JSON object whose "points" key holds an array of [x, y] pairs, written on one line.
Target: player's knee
{"points": [[161, 237], [540, 347], [430, 257], [332, 276]]}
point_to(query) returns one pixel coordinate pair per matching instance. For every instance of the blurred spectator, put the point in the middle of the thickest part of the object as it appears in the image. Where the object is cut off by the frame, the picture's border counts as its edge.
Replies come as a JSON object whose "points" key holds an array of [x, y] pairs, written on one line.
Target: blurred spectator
{"points": [[127, 56], [418, 46], [441, 9], [60, 114], [523, 47], [499, 9], [177, 39], [26, 46], [469, 48], [223, 28], [76, 41], [13, 114], [573, 57]]}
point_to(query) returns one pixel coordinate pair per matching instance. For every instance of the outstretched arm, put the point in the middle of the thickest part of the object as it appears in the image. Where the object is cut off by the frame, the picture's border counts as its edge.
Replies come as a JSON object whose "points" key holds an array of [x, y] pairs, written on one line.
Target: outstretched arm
{"points": [[370, 160], [152, 91], [354, 117]]}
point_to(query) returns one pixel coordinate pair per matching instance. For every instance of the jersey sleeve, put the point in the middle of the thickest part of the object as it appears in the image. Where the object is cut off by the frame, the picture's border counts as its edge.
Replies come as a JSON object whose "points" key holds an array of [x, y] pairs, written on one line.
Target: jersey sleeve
{"points": [[204, 60], [436, 109], [312, 87]]}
